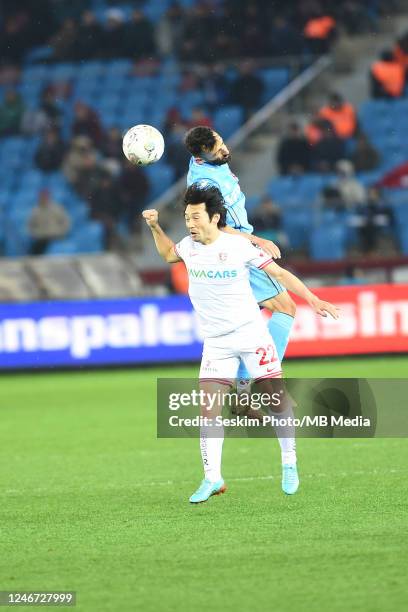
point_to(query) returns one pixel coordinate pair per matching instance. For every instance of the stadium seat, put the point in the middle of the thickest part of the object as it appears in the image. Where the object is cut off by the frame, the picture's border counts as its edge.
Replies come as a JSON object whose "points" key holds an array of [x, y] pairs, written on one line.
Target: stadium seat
{"points": [[227, 120], [67, 246], [328, 243], [161, 176], [89, 237]]}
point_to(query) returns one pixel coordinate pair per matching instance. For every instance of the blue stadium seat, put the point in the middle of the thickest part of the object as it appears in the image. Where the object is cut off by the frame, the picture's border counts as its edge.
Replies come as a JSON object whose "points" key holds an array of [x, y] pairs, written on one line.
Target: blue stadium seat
{"points": [[89, 237], [275, 79], [67, 246], [328, 243], [297, 226], [227, 120], [161, 176]]}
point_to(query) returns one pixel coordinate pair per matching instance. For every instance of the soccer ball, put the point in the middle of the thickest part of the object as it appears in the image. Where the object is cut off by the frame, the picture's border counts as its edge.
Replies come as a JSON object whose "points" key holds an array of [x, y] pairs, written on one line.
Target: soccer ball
{"points": [[143, 145]]}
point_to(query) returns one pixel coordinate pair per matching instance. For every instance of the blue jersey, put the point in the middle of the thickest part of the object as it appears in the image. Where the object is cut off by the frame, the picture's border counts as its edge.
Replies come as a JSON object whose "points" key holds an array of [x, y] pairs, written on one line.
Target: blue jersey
{"points": [[227, 183]]}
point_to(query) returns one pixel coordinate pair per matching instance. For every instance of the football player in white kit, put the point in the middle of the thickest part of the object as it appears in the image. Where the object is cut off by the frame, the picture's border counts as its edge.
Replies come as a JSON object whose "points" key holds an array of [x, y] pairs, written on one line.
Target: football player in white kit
{"points": [[231, 322]]}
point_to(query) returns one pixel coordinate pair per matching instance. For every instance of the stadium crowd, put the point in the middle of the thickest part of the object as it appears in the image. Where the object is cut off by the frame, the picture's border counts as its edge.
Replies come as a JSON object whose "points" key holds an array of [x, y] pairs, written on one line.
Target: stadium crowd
{"points": [[90, 155]]}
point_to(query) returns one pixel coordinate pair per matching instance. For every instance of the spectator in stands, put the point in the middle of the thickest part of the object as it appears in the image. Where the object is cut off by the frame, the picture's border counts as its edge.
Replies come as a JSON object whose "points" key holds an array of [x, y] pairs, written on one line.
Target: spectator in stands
{"points": [[87, 123], [374, 219], [401, 52], [352, 192], [365, 156], [355, 17], [214, 87], [64, 42], [89, 37], [199, 117], [49, 106], [51, 151], [328, 150], [341, 115], [133, 191], [169, 31], [266, 219], [331, 199], [320, 32], [139, 39], [105, 207], [112, 144], [387, 77], [48, 221], [294, 151], [11, 113], [89, 176], [284, 39], [247, 90], [113, 35], [75, 157]]}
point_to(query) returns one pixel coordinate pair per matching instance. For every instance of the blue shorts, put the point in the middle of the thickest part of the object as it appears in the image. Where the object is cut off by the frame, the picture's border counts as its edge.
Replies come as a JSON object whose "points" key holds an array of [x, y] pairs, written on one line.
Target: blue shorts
{"points": [[263, 286]]}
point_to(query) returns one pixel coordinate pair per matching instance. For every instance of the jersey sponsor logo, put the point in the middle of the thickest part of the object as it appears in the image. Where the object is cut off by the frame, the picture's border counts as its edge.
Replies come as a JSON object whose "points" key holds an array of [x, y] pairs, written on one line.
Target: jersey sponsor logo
{"points": [[212, 274], [223, 256]]}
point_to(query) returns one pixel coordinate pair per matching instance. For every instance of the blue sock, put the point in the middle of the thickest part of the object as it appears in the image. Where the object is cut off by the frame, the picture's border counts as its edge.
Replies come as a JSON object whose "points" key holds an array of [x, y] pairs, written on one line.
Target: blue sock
{"points": [[279, 326]]}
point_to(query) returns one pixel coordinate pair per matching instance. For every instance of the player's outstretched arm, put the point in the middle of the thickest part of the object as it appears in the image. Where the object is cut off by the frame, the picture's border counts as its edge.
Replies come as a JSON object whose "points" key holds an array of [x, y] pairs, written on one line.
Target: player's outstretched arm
{"points": [[294, 284], [164, 245], [266, 245]]}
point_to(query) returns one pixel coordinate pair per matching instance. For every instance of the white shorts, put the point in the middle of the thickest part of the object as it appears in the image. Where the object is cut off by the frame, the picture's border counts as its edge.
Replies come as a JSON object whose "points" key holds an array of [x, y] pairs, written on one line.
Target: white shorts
{"points": [[252, 343]]}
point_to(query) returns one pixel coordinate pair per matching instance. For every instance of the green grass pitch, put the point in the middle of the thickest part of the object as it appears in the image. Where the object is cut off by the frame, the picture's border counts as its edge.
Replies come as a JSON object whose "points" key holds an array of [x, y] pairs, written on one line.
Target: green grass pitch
{"points": [[92, 501]]}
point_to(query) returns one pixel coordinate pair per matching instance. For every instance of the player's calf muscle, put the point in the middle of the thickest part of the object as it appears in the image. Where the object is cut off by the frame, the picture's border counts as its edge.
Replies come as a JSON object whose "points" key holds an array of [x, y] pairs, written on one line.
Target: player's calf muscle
{"points": [[281, 303]]}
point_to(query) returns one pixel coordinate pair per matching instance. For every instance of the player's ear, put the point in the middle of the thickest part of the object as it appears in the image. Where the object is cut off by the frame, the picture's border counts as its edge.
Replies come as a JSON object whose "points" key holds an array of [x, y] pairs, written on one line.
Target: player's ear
{"points": [[216, 218]]}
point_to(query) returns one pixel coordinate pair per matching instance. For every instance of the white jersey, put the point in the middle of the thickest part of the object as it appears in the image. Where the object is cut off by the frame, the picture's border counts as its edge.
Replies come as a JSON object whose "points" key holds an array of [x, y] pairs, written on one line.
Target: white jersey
{"points": [[219, 286]]}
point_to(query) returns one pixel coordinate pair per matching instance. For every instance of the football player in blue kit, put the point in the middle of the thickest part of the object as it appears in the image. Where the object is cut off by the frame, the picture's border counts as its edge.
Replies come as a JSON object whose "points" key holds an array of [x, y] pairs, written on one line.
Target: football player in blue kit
{"points": [[209, 165]]}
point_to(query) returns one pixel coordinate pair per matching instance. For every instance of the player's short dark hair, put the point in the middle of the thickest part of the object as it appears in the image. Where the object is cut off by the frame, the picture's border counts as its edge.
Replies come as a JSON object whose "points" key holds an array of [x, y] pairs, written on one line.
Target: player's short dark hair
{"points": [[199, 139], [211, 196]]}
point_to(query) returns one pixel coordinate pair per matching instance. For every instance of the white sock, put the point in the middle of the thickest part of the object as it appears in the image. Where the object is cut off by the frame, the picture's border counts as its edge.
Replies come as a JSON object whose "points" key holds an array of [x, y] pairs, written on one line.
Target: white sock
{"points": [[286, 437], [211, 441]]}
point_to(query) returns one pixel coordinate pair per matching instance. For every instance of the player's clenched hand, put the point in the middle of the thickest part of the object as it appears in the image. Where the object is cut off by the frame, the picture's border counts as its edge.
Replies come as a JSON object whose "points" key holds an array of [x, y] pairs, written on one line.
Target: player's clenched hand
{"points": [[151, 216], [324, 308], [269, 247]]}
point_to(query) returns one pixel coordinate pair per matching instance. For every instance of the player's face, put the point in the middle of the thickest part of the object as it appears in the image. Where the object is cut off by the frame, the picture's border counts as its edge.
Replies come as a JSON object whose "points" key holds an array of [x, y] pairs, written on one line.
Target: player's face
{"points": [[198, 223], [219, 154]]}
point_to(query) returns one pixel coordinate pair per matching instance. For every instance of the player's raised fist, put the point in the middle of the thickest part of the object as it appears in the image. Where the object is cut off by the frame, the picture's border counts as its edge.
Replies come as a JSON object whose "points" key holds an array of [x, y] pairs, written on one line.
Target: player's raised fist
{"points": [[151, 216]]}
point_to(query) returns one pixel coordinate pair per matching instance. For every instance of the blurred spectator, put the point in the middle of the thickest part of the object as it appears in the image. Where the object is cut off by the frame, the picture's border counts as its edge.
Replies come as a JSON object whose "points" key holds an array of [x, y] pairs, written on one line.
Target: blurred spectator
{"points": [[387, 77], [294, 151], [112, 144], [105, 207], [113, 34], [48, 221], [328, 150], [401, 52], [373, 219], [133, 191], [176, 153], [247, 90], [75, 157], [352, 192], [49, 106], [364, 157], [64, 42], [355, 17], [89, 37], [169, 30], [320, 32], [172, 119], [283, 38], [266, 220], [139, 38], [341, 115], [11, 113], [331, 199], [199, 117], [214, 87], [89, 176], [50, 153], [86, 123]]}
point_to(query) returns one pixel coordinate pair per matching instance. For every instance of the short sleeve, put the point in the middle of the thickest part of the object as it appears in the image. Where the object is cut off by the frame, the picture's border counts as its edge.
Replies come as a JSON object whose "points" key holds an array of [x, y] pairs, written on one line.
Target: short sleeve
{"points": [[255, 256], [181, 248]]}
